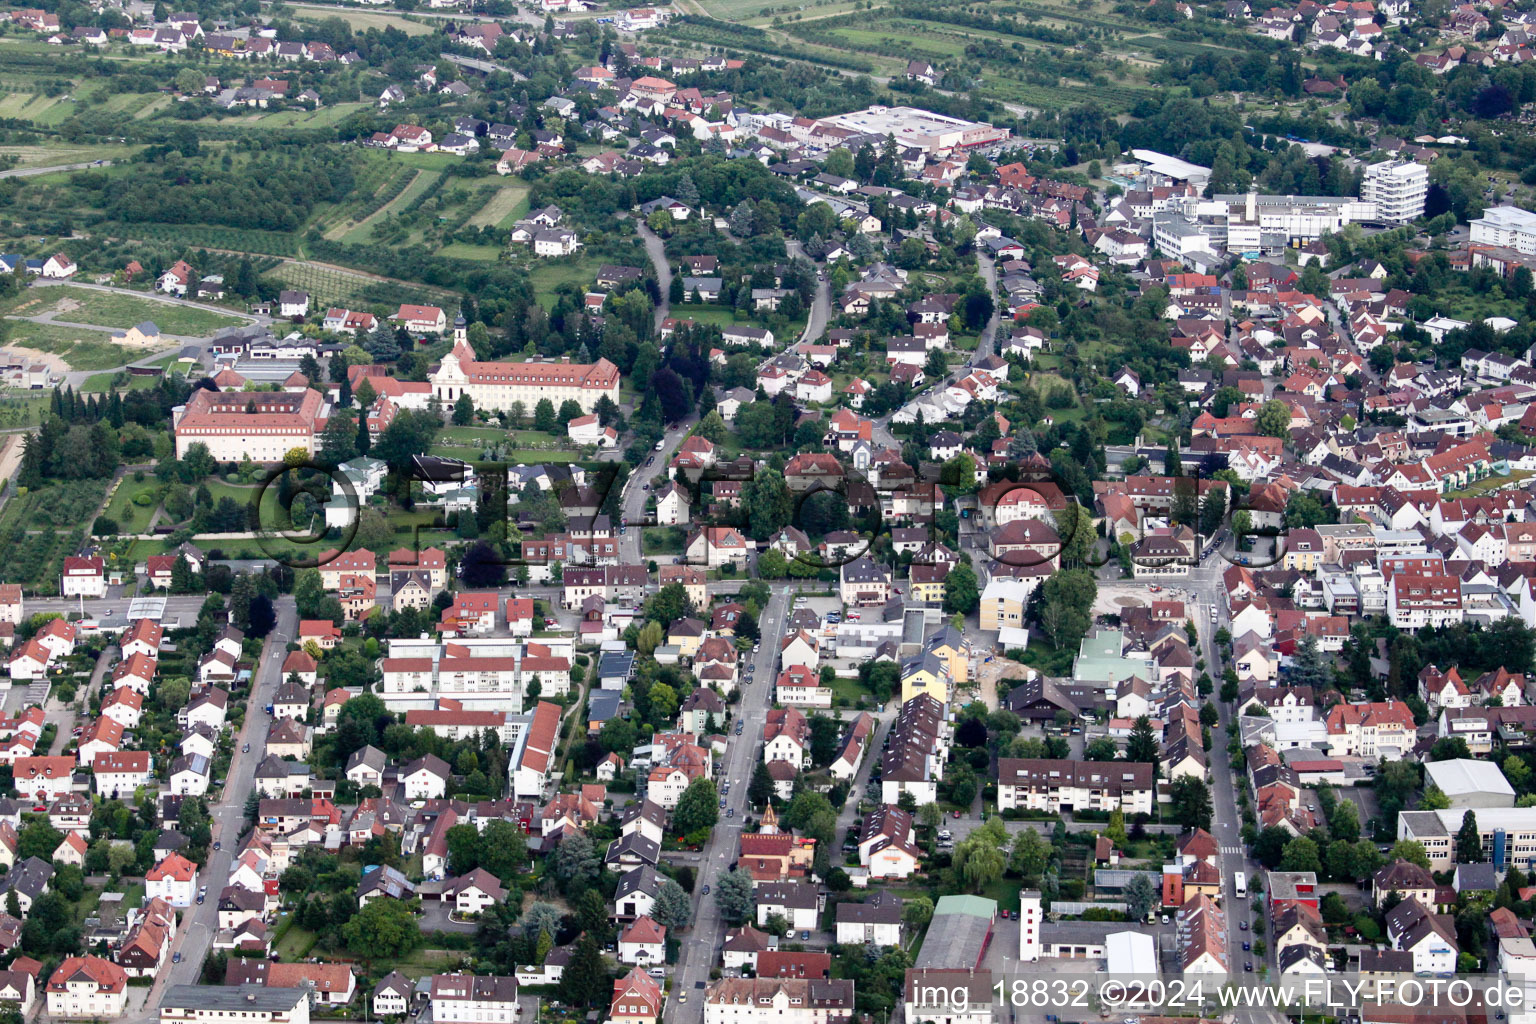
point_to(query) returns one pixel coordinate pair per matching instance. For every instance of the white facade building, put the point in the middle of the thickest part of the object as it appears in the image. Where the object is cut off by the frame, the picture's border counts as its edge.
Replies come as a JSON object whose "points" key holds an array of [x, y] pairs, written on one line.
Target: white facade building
{"points": [[1398, 189]]}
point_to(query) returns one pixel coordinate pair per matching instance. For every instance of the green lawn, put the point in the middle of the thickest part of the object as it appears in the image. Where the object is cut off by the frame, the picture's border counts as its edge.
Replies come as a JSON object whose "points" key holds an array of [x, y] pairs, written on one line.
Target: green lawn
{"points": [[1491, 483], [107, 381], [473, 435], [295, 943], [465, 251], [546, 276], [116, 310], [664, 540], [849, 691], [132, 517]]}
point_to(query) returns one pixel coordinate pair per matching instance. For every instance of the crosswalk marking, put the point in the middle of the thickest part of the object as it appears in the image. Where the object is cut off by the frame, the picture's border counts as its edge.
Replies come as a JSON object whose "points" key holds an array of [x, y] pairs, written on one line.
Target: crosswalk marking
{"points": [[1232, 849]]}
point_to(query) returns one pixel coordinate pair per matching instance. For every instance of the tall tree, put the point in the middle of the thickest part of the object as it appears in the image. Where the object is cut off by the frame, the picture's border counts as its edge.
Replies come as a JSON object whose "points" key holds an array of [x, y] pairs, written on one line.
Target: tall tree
{"points": [[1469, 843]]}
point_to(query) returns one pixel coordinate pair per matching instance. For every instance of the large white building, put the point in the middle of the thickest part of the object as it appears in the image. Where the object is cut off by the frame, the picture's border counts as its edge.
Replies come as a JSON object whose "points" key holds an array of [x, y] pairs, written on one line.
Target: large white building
{"points": [[485, 999], [778, 1001], [1252, 223], [1044, 784], [234, 1004], [1258, 223], [260, 425], [481, 673], [1508, 834], [1471, 783], [1508, 226], [497, 386], [1398, 188], [919, 129], [87, 986]]}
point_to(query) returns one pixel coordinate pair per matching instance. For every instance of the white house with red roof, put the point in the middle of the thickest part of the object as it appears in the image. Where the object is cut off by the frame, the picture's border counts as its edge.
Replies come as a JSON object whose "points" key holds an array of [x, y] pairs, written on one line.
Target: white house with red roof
{"points": [[59, 266], [58, 636], [588, 430], [420, 320], [643, 942], [174, 880], [714, 546], [411, 138], [119, 773], [497, 386], [84, 576], [124, 705], [176, 279], [141, 637], [44, 779], [471, 612], [102, 736], [535, 751], [325, 633], [29, 661]]}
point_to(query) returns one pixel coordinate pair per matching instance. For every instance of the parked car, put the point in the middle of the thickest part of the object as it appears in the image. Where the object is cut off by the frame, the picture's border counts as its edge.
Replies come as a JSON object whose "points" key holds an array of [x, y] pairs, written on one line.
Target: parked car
{"points": [[706, 890]]}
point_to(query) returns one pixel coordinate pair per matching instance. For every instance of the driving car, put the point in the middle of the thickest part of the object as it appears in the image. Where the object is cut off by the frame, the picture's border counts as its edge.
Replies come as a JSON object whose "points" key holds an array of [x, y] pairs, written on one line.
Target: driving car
{"points": [[245, 749]]}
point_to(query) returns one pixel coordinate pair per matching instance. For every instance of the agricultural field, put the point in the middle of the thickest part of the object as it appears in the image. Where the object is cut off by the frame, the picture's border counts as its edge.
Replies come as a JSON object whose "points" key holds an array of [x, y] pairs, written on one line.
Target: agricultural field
{"points": [[505, 205], [465, 251], [363, 20], [52, 156], [116, 310], [417, 185], [36, 107], [752, 10], [324, 117], [330, 286]]}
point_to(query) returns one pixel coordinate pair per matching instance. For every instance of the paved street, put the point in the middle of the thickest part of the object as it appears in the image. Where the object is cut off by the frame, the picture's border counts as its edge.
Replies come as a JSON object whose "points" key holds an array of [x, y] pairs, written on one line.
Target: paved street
{"points": [[656, 251], [632, 503], [199, 922], [701, 948]]}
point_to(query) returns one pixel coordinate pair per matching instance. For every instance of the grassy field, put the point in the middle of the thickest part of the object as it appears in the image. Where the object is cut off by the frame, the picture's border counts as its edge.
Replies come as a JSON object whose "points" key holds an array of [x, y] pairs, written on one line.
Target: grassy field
{"points": [[322, 118], [547, 276], [743, 10], [506, 205], [81, 349], [465, 251], [49, 156], [104, 382], [115, 310], [363, 20]]}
